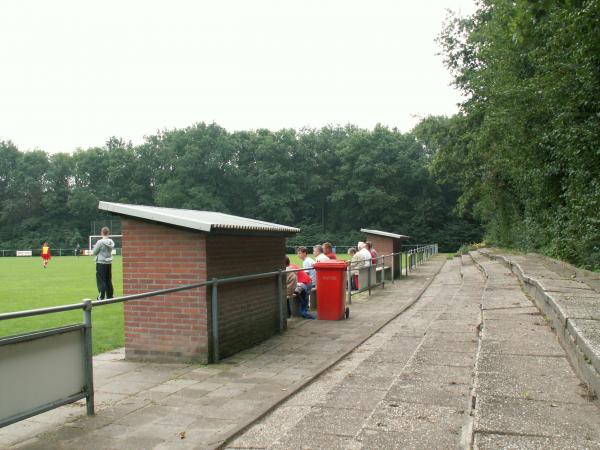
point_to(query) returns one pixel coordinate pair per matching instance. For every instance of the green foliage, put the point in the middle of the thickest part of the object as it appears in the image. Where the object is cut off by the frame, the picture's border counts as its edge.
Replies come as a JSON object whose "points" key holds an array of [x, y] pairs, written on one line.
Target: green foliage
{"points": [[524, 151], [330, 182]]}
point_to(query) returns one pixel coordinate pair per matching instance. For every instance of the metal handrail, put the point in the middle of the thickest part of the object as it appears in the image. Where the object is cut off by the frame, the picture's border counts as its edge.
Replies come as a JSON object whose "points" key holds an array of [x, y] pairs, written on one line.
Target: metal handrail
{"points": [[126, 298]]}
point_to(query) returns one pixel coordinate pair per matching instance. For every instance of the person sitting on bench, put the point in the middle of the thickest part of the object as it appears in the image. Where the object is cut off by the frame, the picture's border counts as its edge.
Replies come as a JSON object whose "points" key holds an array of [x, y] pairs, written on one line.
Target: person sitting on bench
{"points": [[328, 250], [307, 263], [373, 253], [301, 289]]}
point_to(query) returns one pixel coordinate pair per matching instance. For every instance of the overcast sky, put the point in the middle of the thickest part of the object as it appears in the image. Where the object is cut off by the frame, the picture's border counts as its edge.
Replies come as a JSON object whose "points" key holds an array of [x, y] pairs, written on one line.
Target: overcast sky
{"points": [[74, 73]]}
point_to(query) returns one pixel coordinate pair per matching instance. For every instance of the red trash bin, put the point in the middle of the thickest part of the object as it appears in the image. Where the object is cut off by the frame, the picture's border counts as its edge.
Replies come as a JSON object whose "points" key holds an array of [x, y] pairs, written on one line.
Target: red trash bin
{"points": [[331, 290]]}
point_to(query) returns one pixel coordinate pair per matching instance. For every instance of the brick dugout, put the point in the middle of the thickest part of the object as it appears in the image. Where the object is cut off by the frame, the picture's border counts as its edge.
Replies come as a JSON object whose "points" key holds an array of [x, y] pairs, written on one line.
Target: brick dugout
{"points": [[166, 247], [385, 244]]}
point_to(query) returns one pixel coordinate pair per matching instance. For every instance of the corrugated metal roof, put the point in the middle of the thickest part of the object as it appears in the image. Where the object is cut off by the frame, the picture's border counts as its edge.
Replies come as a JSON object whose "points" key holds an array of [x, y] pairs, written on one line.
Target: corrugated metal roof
{"points": [[384, 233], [197, 220]]}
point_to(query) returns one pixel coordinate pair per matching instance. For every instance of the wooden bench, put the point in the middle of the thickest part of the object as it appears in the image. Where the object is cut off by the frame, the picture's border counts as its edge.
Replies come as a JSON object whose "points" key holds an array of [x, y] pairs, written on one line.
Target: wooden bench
{"points": [[294, 304], [386, 271], [312, 299], [376, 275]]}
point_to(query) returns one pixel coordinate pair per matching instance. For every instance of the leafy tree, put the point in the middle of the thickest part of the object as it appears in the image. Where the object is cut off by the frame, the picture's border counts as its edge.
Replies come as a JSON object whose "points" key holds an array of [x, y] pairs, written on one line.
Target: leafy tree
{"points": [[530, 167]]}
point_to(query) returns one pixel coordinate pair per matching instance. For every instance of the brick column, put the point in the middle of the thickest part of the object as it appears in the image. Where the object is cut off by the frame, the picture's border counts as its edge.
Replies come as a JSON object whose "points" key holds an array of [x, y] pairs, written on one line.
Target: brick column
{"points": [[172, 327]]}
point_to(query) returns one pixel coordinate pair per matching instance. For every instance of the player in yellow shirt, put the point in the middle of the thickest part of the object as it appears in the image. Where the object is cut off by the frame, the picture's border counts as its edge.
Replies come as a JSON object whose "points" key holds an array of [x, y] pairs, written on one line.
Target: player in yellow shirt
{"points": [[46, 254]]}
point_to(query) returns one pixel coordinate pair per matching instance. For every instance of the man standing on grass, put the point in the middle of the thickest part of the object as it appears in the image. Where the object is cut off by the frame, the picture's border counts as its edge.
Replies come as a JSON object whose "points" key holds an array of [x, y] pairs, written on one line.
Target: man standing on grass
{"points": [[103, 253]]}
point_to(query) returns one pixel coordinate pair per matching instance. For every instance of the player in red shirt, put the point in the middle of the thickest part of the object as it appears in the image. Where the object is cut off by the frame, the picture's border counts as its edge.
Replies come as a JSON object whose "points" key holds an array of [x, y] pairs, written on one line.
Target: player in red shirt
{"points": [[46, 254]]}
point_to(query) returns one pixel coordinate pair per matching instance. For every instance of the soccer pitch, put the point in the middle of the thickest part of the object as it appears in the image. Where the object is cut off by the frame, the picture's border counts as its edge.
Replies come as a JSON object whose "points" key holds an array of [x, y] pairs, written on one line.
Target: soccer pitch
{"points": [[68, 279]]}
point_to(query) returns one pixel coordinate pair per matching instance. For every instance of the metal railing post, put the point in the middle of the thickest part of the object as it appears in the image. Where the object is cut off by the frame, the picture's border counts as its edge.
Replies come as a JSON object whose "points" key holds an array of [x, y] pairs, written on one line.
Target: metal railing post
{"points": [[349, 283], [88, 352], [369, 275], [280, 298], [393, 272], [214, 306], [382, 273], [401, 264]]}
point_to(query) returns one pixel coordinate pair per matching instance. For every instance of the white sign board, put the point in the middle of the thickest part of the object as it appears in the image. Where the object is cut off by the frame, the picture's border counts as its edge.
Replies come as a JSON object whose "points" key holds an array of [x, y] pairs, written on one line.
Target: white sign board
{"points": [[89, 252], [40, 371], [24, 253]]}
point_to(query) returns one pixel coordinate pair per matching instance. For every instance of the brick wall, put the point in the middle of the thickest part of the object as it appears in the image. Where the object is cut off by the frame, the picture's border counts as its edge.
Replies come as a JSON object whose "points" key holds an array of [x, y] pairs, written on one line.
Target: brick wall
{"points": [[171, 327], [248, 311], [385, 246]]}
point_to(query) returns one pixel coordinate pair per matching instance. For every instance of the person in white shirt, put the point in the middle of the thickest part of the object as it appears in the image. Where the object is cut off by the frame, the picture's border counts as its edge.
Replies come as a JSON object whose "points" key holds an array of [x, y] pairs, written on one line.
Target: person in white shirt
{"points": [[318, 253], [364, 254], [307, 263]]}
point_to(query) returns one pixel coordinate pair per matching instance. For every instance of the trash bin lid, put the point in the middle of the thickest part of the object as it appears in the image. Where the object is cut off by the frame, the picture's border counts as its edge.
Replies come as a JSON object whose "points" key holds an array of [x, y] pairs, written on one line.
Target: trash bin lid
{"points": [[335, 264]]}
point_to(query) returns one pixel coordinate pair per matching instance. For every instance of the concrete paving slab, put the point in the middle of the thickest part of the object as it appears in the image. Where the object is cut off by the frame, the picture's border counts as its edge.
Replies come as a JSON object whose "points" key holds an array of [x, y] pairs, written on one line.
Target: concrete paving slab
{"points": [[442, 374], [317, 440], [444, 358], [561, 285], [527, 326], [416, 418], [532, 378], [510, 312], [263, 435], [360, 380], [443, 345], [582, 311], [450, 394], [484, 441], [377, 439], [354, 398], [502, 415], [338, 421], [531, 344]]}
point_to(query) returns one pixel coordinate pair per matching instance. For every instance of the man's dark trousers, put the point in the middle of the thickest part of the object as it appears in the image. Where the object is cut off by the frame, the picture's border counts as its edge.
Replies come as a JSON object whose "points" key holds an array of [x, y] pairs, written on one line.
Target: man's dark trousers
{"points": [[104, 281]]}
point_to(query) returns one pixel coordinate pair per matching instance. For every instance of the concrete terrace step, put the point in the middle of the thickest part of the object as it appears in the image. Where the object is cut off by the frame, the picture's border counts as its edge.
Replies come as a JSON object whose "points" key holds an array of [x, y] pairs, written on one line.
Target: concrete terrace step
{"points": [[153, 406], [526, 393], [570, 301]]}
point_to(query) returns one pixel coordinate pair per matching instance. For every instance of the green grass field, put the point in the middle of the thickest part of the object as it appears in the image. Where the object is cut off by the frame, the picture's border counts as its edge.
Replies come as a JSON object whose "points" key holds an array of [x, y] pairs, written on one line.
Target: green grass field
{"points": [[68, 279]]}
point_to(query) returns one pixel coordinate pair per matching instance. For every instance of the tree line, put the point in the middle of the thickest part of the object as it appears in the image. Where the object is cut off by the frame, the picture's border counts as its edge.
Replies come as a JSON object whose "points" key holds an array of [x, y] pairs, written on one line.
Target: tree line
{"points": [[525, 148], [330, 182]]}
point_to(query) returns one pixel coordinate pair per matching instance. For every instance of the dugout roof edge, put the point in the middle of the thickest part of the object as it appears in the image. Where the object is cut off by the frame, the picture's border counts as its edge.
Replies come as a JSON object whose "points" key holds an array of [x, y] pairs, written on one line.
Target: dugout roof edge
{"points": [[384, 233], [207, 221]]}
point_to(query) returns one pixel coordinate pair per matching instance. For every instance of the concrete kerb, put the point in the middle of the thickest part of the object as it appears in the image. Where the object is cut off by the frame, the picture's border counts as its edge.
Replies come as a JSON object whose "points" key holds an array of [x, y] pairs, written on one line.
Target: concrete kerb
{"points": [[481, 268], [299, 386], [585, 361]]}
